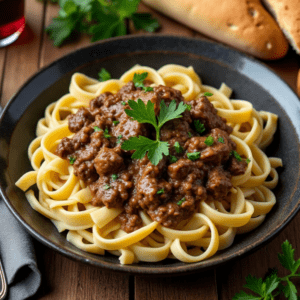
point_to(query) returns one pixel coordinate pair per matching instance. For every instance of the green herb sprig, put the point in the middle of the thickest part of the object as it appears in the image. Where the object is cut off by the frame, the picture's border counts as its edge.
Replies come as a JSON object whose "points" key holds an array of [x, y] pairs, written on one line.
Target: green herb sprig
{"points": [[138, 80], [101, 19], [145, 114], [274, 285]]}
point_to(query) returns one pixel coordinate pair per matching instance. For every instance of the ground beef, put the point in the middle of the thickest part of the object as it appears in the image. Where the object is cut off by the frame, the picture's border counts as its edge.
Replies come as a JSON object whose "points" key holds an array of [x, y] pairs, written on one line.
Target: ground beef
{"points": [[169, 192]]}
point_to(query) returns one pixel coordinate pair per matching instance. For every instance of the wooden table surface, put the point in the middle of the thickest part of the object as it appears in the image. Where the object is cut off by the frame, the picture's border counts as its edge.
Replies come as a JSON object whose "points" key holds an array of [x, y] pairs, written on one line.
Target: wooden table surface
{"points": [[64, 279]]}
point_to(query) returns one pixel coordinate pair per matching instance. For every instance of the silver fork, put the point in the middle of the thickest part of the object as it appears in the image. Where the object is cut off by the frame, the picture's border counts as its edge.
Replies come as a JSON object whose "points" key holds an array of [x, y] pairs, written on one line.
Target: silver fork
{"points": [[3, 291]]}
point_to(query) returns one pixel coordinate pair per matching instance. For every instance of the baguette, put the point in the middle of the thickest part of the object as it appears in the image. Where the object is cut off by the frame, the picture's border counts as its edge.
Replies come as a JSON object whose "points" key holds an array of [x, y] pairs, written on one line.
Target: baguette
{"points": [[287, 14], [243, 24]]}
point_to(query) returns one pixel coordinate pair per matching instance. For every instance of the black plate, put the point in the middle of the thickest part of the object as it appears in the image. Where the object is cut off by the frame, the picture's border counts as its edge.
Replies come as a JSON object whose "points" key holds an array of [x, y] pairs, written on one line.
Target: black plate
{"points": [[215, 64]]}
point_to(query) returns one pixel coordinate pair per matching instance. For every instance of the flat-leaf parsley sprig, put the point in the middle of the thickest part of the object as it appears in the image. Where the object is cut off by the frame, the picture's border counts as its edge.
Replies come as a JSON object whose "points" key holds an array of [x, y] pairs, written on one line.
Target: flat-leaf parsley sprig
{"points": [[274, 285], [99, 18], [145, 114]]}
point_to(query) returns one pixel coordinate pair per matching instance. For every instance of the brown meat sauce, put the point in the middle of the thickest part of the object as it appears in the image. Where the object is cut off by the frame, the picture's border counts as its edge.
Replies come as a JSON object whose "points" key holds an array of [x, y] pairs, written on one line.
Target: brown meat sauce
{"points": [[117, 181]]}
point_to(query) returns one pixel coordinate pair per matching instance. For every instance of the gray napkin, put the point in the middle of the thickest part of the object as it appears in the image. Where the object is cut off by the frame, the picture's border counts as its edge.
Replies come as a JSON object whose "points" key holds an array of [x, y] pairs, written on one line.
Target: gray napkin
{"points": [[18, 257]]}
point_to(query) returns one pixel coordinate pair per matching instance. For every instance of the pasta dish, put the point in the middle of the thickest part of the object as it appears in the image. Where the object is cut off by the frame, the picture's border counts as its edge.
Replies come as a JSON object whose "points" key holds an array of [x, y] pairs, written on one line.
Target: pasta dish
{"points": [[153, 165]]}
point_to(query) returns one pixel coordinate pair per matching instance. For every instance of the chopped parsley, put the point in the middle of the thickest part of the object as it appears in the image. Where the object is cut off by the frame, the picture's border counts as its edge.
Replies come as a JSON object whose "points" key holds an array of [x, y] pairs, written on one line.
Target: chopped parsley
{"points": [[104, 75], [116, 122], [209, 140], [236, 155], [178, 148], [180, 201], [106, 187], [106, 134], [207, 94], [247, 161], [123, 103], [190, 135], [200, 128], [193, 156], [188, 107], [114, 176], [173, 159], [119, 139], [96, 129], [160, 192], [72, 159], [138, 80], [221, 140], [144, 113]]}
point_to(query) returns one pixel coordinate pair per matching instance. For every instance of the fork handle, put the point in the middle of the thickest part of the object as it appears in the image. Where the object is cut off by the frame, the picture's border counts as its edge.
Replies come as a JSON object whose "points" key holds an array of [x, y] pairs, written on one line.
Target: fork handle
{"points": [[3, 291]]}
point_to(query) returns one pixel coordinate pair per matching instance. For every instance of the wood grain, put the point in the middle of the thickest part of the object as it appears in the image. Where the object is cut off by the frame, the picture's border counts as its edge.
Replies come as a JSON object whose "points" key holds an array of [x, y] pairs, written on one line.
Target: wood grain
{"points": [[68, 280], [190, 287], [22, 57]]}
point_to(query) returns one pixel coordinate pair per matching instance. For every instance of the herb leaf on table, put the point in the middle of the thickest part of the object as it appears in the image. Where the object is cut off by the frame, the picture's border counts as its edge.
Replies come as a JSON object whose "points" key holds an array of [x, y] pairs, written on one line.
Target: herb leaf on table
{"points": [[99, 18], [274, 285]]}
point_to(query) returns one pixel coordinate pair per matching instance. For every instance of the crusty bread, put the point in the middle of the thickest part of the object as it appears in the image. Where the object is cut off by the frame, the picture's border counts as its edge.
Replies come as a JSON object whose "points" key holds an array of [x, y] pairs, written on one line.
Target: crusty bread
{"points": [[287, 14], [243, 24]]}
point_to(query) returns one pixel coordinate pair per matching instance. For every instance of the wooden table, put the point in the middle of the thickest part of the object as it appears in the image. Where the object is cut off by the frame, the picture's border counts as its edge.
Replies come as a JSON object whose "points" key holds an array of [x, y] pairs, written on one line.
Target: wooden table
{"points": [[65, 279]]}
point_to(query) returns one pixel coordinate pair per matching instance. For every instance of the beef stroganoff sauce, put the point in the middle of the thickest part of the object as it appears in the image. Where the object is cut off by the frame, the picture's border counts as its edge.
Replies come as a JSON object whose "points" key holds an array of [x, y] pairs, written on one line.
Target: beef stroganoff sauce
{"points": [[212, 185]]}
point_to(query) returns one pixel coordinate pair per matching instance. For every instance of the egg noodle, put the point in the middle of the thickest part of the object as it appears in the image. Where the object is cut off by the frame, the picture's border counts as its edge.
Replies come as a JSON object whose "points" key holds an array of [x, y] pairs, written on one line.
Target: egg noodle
{"points": [[66, 200]]}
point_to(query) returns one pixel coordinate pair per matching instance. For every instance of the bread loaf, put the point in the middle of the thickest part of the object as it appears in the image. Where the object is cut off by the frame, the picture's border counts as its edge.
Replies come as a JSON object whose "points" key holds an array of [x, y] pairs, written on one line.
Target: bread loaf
{"points": [[287, 14], [243, 24]]}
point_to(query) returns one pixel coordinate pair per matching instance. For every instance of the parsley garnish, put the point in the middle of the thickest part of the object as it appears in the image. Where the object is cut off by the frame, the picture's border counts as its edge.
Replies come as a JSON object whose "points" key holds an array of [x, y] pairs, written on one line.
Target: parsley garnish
{"points": [[178, 148], [160, 192], [104, 75], [190, 134], [99, 18], [96, 129], [138, 80], [274, 285], [236, 155], [145, 114], [116, 122], [173, 159], [114, 176], [106, 187], [247, 161], [106, 134], [207, 94], [180, 201], [200, 128], [193, 156], [123, 103], [221, 140], [119, 139], [72, 159], [188, 107], [209, 140]]}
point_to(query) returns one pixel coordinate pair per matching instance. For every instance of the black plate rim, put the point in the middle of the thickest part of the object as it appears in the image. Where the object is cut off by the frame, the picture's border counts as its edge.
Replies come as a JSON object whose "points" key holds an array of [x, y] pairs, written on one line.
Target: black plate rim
{"points": [[135, 269]]}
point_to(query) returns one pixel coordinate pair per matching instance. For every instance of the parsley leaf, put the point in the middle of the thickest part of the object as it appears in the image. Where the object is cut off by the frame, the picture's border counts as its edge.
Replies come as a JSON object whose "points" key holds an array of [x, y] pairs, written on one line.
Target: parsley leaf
{"points": [[180, 201], [99, 18], [207, 94], [119, 138], [178, 148], [123, 103], [114, 176], [209, 140], [193, 156], [148, 89], [161, 191], [104, 75], [72, 159], [236, 155], [145, 114], [200, 128], [138, 80], [116, 122], [106, 134], [173, 159], [141, 145], [247, 161], [190, 134], [273, 285], [96, 129], [188, 107], [106, 187]]}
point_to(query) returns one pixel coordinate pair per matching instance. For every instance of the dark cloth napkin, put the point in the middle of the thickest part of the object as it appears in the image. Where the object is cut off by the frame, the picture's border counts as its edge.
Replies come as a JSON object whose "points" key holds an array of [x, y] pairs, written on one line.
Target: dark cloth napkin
{"points": [[18, 257]]}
